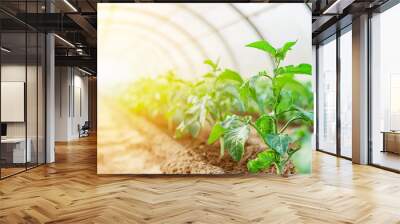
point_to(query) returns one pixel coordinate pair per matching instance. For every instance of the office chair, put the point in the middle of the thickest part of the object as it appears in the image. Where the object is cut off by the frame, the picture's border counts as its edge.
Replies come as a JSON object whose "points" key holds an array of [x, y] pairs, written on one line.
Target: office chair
{"points": [[84, 130]]}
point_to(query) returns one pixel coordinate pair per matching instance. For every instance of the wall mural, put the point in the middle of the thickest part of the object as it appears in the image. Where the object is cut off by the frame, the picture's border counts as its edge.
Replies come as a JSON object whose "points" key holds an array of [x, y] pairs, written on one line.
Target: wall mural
{"points": [[204, 88]]}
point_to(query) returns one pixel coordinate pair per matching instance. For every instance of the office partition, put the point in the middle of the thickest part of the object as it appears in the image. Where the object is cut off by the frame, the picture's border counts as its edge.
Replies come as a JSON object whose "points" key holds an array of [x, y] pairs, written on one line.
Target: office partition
{"points": [[22, 78]]}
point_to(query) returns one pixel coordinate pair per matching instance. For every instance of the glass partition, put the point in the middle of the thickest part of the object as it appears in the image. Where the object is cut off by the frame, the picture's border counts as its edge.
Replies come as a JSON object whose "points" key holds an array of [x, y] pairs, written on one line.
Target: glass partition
{"points": [[327, 96], [14, 153], [31, 99], [23, 91]]}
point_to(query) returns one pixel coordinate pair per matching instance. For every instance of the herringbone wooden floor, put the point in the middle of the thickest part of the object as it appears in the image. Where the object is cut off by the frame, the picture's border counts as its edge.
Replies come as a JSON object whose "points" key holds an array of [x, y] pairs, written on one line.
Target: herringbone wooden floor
{"points": [[69, 191]]}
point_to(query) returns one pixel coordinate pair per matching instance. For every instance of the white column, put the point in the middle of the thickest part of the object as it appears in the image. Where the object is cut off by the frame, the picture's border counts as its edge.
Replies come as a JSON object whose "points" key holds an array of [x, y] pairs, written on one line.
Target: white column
{"points": [[360, 90], [50, 92], [50, 99]]}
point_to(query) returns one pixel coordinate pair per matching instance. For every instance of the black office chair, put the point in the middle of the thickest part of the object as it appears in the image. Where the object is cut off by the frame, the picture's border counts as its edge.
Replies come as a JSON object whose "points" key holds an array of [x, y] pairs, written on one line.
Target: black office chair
{"points": [[84, 130]]}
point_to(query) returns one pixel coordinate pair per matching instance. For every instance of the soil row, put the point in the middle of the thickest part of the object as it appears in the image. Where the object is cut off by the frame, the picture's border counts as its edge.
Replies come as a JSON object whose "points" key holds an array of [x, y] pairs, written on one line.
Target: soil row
{"points": [[192, 156], [133, 144]]}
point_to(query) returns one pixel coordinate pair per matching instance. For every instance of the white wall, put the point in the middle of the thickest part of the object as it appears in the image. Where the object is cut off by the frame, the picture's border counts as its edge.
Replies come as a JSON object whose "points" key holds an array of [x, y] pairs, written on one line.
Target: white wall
{"points": [[80, 109], [71, 102], [62, 81]]}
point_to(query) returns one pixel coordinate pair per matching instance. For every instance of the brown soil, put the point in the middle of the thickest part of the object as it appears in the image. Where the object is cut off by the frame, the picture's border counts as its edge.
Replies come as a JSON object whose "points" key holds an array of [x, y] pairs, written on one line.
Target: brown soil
{"points": [[211, 153]]}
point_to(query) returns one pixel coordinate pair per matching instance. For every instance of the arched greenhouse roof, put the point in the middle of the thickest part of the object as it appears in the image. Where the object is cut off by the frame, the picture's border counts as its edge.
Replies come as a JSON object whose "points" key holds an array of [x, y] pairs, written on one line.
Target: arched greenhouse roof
{"points": [[149, 39]]}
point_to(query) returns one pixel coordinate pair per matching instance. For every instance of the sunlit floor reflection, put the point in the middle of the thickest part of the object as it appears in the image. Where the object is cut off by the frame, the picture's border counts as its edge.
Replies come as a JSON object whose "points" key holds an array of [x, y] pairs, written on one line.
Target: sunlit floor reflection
{"points": [[386, 159]]}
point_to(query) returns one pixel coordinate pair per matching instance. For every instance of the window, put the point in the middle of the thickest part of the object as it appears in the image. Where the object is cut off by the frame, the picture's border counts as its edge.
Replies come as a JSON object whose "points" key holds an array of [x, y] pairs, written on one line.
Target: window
{"points": [[385, 89], [327, 97], [346, 94]]}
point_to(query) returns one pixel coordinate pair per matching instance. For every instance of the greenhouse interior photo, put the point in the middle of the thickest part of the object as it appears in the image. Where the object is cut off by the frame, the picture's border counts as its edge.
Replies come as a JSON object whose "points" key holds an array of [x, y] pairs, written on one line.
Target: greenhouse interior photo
{"points": [[153, 111]]}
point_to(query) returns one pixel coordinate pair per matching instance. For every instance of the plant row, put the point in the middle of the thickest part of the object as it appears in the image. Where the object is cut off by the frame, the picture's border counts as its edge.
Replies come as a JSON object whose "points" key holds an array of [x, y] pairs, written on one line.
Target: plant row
{"points": [[275, 103]]}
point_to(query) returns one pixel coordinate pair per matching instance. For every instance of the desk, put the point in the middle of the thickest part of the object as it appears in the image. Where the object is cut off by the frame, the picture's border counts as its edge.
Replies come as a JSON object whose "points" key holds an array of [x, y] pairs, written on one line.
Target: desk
{"points": [[391, 141], [18, 149]]}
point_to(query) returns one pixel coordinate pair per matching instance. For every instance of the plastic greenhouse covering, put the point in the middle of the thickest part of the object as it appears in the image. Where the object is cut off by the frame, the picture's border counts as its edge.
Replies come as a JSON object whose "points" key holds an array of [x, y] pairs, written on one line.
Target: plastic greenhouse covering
{"points": [[180, 36]]}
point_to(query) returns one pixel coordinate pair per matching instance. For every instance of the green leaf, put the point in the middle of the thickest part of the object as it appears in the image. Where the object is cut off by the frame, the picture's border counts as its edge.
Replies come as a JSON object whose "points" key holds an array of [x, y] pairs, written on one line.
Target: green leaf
{"points": [[304, 69], [265, 124], [247, 92], [228, 74], [261, 90], [195, 116], [280, 81], [232, 121], [264, 46], [263, 161], [300, 135], [289, 82], [286, 102], [194, 128], [281, 52], [197, 84], [288, 46], [231, 90], [203, 110], [213, 65], [252, 86], [234, 140], [296, 86], [216, 132], [307, 116], [244, 93], [209, 75], [278, 142]]}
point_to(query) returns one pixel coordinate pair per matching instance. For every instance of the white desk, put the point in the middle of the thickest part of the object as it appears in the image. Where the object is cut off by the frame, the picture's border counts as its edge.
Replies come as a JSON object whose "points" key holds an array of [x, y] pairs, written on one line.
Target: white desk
{"points": [[19, 155]]}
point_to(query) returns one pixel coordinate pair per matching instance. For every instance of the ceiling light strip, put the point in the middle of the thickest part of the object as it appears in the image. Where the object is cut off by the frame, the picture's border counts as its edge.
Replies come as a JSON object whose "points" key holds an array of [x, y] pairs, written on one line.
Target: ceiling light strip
{"points": [[5, 50], [84, 71], [326, 11], [70, 5], [64, 40]]}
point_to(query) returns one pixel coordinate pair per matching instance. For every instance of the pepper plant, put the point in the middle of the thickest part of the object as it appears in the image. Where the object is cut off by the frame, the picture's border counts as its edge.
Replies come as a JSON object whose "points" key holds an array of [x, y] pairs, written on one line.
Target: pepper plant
{"points": [[210, 99], [278, 113]]}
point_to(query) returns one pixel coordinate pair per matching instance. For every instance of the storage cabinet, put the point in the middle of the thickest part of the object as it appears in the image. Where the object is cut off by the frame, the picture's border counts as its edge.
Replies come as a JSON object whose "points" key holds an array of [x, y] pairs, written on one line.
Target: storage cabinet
{"points": [[391, 142]]}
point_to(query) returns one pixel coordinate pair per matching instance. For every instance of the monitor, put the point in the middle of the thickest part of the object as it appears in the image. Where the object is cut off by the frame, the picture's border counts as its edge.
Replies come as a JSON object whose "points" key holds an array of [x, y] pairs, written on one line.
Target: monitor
{"points": [[3, 129]]}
